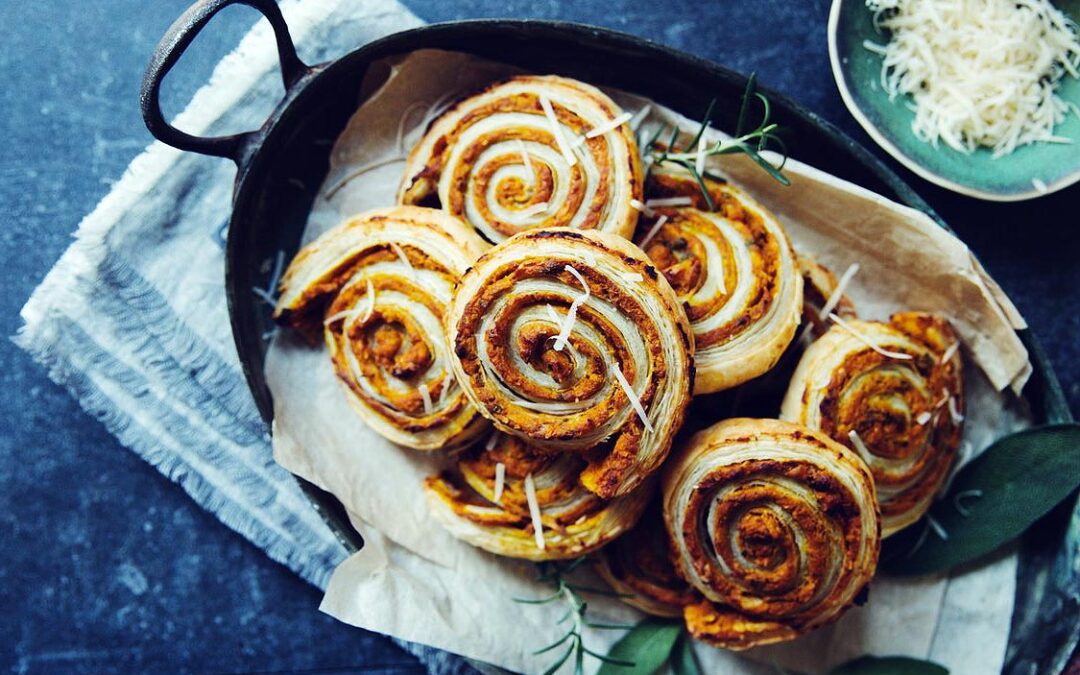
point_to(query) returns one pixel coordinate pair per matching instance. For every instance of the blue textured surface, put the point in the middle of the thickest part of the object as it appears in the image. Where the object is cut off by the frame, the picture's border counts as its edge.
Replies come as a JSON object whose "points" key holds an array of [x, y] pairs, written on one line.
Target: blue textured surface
{"points": [[108, 566]]}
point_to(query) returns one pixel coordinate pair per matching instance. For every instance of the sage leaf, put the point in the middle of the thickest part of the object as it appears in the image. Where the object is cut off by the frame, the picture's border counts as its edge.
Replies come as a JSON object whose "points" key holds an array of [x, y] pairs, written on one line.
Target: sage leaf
{"points": [[647, 646], [991, 501], [683, 659], [889, 665]]}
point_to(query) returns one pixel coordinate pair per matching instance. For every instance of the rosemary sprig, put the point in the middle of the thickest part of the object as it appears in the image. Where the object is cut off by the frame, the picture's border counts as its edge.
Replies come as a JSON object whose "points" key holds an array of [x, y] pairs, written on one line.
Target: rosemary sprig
{"points": [[750, 143], [555, 573]]}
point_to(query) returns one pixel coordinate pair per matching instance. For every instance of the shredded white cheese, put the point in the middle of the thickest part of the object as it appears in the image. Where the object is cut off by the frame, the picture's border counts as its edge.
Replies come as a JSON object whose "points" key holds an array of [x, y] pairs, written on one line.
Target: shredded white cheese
{"points": [[653, 231], [639, 117], [534, 210], [863, 339], [950, 352], [838, 292], [644, 208], [445, 391], [492, 441], [954, 411], [553, 314], [350, 314], [571, 315], [534, 511], [525, 161], [635, 402], [401, 254], [958, 500], [610, 125], [923, 418], [863, 451], [556, 131], [500, 481], [937, 527], [669, 201], [425, 394], [980, 73]]}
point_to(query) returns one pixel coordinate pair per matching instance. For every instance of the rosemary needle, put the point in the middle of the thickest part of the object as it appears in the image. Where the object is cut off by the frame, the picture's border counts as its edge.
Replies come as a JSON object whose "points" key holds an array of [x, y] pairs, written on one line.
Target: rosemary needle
{"points": [[750, 143]]}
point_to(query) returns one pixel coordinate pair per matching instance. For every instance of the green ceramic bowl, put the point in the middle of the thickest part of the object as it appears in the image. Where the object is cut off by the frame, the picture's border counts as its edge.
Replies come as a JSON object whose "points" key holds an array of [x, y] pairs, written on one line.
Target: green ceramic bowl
{"points": [[1020, 175]]}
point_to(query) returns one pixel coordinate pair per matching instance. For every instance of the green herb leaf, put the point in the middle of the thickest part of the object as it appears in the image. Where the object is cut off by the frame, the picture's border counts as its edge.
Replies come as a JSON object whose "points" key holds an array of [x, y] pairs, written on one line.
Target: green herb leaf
{"points": [[683, 659], [748, 95], [889, 665], [558, 664], [647, 647], [991, 501]]}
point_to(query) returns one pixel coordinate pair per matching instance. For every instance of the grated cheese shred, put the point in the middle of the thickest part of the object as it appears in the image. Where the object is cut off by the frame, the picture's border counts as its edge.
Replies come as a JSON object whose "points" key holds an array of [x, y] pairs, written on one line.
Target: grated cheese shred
{"points": [[425, 394], [534, 210], [950, 352], [571, 314], [401, 254], [863, 339], [838, 292], [954, 411], [857, 441], [635, 402], [525, 161], [500, 481], [644, 208], [534, 511], [653, 231], [610, 125], [669, 201], [556, 131], [639, 117], [980, 72]]}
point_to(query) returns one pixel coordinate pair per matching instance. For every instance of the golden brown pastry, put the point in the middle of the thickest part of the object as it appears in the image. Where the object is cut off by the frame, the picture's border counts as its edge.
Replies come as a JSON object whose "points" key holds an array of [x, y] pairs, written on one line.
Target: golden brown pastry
{"points": [[638, 565], [775, 525], [821, 295], [376, 288], [529, 152], [495, 514], [734, 269], [894, 393], [572, 340]]}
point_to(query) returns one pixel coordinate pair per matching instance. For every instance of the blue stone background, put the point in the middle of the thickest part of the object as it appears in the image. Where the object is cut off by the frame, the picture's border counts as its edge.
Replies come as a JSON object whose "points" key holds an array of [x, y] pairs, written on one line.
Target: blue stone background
{"points": [[107, 566]]}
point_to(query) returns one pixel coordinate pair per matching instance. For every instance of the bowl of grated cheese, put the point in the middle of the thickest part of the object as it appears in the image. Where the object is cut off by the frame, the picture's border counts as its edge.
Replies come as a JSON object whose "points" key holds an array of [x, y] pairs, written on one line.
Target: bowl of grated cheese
{"points": [[981, 97]]}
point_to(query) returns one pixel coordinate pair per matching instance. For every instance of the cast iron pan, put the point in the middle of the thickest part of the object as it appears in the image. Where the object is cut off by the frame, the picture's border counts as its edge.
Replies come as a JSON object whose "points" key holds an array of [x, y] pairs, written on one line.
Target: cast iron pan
{"points": [[281, 165]]}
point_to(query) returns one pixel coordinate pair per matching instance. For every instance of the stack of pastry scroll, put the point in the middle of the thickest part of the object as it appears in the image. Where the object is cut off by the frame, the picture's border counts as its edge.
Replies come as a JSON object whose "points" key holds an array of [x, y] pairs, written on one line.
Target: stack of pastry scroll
{"points": [[541, 308]]}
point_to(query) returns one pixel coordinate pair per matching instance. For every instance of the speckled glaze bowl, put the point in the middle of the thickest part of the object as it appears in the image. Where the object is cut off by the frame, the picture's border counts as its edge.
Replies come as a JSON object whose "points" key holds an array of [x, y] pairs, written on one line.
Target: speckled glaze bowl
{"points": [[1030, 171]]}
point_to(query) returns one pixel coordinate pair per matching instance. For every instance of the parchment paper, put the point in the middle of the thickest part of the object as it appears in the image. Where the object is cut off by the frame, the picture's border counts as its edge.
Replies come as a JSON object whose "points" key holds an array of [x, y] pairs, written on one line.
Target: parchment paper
{"points": [[415, 581]]}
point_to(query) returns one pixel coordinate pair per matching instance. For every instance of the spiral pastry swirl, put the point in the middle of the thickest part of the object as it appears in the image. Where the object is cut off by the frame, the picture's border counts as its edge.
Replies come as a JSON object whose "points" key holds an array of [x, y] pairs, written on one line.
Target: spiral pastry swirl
{"points": [[376, 288], [734, 269], [639, 566], [899, 403], [775, 525], [470, 502], [529, 152], [573, 341]]}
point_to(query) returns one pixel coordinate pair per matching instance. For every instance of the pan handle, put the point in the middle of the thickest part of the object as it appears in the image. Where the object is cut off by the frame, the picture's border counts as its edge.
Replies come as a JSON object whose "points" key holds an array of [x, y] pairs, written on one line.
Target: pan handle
{"points": [[171, 48]]}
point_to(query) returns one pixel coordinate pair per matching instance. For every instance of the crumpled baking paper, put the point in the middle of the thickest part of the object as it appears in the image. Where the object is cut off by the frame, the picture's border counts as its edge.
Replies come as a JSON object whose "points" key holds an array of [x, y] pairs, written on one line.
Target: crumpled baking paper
{"points": [[414, 581]]}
